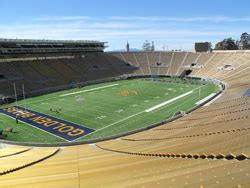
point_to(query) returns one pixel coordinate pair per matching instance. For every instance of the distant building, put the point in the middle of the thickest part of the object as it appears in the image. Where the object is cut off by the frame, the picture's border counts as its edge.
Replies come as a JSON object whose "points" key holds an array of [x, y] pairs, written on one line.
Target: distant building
{"points": [[127, 47]]}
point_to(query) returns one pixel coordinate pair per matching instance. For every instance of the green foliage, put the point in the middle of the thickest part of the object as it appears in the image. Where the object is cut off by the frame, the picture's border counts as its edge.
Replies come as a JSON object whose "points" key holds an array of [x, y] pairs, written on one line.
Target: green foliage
{"points": [[244, 40], [226, 44]]}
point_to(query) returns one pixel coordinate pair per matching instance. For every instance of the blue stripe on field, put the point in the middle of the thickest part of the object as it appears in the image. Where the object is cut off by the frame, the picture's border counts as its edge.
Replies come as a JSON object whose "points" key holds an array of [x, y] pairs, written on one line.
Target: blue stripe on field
{"points": [[59, 127]]}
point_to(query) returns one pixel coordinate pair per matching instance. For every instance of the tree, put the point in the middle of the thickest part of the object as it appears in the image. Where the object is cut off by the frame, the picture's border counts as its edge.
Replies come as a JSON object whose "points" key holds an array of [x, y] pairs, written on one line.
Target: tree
{"points": [[226, 44], [219, 46], [147, 46], [210, 46], [153, 46], [244, 40]]}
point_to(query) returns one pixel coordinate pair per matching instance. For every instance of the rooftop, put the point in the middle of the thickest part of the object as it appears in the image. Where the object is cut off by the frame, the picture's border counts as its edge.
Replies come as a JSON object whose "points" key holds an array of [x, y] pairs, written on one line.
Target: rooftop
{"points": [[43, 41]]}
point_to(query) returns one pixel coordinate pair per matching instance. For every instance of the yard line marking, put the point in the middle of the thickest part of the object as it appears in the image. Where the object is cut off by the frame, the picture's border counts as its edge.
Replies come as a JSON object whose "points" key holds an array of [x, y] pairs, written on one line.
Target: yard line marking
{"points": [[139, 113], [210, 102], [126, 118], [119, 111], [122, 120], [167, 102], [192, 91], [206, 98], [117, 122], [93, 89]]}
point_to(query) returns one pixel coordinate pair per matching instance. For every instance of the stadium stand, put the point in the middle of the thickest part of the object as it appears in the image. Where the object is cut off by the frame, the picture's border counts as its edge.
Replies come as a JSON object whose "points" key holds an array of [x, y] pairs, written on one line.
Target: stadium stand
{"points": [[9, 151], [209, 147], [42, 75], [24, 159]]}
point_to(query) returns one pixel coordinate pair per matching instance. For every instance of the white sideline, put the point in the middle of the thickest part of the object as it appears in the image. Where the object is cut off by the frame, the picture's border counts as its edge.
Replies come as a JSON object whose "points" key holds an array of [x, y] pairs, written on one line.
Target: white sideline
{"points": [[167, 102], [206, 98], [210, 102], [93, 89], [112, 124]]}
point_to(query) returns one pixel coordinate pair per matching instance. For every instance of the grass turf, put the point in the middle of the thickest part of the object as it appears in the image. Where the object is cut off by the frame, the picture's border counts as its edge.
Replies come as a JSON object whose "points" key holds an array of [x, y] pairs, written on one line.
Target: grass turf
{"points": [[109, 109]]}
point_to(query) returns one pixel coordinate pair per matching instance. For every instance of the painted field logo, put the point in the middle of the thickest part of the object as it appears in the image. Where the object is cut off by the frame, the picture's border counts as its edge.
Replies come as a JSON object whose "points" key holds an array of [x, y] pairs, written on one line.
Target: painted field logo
{"points": [[61, 128], [127, 93]]}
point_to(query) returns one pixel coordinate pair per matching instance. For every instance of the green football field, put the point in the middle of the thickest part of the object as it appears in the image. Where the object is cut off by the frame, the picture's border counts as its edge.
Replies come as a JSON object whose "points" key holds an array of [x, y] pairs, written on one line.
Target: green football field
{"points": [[110, 108]]}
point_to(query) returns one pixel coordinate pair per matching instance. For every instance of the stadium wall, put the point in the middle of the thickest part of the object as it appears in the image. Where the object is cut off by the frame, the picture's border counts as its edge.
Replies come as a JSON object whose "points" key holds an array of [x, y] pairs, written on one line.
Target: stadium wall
{"points": [[231, 51]]}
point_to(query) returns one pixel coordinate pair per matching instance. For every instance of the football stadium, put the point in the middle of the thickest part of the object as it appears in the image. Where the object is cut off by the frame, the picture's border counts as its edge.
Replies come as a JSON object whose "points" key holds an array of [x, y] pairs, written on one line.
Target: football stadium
{"points": [[75, 115]]}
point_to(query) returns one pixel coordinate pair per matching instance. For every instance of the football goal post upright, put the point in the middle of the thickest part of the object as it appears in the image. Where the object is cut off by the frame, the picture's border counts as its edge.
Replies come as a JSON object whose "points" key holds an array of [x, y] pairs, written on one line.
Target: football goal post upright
{"points": [[24, 98], [15, 96], [199, 93]]}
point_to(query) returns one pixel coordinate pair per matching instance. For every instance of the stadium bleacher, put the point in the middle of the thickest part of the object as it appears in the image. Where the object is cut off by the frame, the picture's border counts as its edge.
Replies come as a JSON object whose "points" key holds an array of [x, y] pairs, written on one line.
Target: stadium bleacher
{"points": [[209, 147], [41, 75]]}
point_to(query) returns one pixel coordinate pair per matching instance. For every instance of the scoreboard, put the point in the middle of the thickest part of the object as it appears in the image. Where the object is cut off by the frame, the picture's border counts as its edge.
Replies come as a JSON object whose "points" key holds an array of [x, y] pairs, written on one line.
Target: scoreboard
{"points": [[202, 47]]}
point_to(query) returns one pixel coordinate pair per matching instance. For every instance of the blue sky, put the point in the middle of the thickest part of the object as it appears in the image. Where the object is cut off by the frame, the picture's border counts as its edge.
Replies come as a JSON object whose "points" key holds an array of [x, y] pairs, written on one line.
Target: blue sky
{"points": [[176, 24]]}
